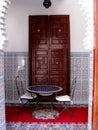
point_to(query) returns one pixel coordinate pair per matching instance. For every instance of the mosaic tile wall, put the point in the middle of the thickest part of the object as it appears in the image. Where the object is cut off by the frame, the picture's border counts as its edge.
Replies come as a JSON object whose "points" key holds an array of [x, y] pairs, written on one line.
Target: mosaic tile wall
{"points": [[11, 62], [80, 67], [2, 92]]}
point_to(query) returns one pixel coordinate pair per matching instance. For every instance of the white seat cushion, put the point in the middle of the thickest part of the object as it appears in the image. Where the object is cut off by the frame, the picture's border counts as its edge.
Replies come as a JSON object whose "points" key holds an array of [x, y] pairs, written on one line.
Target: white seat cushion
{"points": [[28, 95], [63, 98]]}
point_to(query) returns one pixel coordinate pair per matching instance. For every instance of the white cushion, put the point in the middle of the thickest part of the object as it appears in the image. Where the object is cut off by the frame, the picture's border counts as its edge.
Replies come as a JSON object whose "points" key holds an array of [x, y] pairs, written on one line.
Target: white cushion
{"points": [[28, 95], [63, 98]]}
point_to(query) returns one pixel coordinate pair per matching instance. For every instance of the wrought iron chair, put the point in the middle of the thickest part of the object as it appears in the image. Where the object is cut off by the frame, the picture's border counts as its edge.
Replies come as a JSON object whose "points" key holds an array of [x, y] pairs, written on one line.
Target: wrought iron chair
{"points": [[24, 96], [67, 99]]}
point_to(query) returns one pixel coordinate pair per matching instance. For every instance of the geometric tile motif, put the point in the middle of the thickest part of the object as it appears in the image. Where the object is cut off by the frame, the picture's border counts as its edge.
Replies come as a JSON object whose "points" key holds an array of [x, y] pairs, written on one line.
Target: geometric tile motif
{"points": [[80, 63], [11, 62], [2, 92], [80, 68], [46, 126]]}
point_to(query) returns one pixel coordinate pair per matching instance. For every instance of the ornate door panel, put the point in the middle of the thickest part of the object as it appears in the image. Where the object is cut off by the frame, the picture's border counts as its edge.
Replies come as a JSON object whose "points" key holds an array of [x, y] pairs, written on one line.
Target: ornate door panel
{"points": [[58, 68], [60, 32], [57, 61], [49, 51], [40, 67], [60, 51], [38, 34]]}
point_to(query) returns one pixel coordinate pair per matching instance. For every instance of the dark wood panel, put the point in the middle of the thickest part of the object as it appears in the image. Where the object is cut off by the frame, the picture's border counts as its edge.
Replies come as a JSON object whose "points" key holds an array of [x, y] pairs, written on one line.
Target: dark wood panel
{"points": [[60, 68], [38, 27], [40, 80], [38, 34], [49, 45], [59, 27], [40, 65], [59, 80], [57, 60]]}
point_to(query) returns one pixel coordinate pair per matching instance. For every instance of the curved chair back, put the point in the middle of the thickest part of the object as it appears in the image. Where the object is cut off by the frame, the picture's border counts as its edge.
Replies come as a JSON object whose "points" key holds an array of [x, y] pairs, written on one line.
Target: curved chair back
{"points": [[73, 87], [19, 85]]}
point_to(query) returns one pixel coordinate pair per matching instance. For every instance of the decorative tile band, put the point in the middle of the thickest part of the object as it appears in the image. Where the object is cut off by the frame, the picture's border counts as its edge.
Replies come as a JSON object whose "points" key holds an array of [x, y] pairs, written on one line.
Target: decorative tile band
{"points": [[44, 126]]}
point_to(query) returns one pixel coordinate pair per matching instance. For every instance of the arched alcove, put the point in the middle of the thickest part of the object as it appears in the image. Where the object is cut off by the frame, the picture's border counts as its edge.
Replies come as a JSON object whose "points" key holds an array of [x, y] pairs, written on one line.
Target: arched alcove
{"points": [[4, 4]]}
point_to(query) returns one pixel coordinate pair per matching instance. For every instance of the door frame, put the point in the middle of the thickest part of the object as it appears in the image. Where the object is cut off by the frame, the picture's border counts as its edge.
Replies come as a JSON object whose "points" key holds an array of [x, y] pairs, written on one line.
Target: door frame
{"points": [[95, 70]]}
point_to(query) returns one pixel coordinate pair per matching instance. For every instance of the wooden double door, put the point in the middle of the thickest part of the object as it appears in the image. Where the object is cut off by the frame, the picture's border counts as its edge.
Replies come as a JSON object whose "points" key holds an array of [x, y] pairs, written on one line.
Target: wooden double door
{"points": [[49, 51]]}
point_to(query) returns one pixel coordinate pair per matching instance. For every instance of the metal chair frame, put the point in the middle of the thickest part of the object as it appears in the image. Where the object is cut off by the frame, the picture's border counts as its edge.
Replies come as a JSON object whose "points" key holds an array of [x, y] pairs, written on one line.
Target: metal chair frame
{"points": [[70, 102], [24, 95]]}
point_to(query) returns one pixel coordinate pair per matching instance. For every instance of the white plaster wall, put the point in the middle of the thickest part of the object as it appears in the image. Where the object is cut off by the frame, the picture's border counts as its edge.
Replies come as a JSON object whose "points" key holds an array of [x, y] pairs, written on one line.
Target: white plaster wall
{"points": [[17, 22]]}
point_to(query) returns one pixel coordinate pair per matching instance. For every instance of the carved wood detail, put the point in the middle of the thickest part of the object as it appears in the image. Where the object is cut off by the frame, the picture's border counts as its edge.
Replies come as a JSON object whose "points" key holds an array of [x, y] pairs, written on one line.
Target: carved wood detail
{"points": [[49, 51]]}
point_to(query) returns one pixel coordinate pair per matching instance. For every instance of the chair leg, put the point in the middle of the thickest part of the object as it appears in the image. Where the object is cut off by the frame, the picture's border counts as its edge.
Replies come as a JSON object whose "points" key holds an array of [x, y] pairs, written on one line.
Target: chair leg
{"points": [[65, 107], [23, 104], [62, 110], [69, 111]]}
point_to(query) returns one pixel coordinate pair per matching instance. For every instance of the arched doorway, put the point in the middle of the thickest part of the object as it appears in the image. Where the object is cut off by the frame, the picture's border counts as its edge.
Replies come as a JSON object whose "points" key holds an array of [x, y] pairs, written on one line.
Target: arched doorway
{"points": [[3, 4]]}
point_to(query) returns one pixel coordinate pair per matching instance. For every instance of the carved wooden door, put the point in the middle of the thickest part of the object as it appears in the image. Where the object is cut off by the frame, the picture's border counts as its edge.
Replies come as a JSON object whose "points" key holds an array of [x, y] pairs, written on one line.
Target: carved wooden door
{"points": [[49, 51]]}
